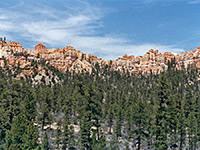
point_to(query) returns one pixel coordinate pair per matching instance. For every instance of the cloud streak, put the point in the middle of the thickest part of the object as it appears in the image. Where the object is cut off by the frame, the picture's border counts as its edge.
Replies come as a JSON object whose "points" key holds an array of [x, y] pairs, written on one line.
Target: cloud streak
{"points": [[194, 1], [79, 27]]}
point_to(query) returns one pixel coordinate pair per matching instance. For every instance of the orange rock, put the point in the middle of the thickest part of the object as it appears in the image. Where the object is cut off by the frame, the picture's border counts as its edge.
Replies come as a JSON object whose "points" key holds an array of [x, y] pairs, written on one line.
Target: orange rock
{"points": [[40, 49], [71, 59]]}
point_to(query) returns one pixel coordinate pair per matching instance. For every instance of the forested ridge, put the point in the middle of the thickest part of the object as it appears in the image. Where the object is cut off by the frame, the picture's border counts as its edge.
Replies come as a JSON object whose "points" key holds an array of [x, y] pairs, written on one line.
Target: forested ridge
{"points": [[102, 110]]}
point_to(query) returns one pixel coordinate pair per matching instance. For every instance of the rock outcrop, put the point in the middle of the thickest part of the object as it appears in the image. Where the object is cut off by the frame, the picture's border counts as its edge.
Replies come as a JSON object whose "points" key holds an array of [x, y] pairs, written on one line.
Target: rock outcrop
{"points": [[40, 49], [23, 63], [13, 54]]}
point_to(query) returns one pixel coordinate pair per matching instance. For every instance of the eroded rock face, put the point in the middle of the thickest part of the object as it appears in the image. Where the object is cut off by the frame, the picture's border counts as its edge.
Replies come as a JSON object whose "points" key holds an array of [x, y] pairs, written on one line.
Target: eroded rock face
{"points": [[40, 49], [20, 62], [73, 60]]}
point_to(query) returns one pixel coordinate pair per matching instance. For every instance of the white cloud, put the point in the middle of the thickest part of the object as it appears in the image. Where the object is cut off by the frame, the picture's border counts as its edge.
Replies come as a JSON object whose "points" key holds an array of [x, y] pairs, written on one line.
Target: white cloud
{"points": [[79, 28], [3, 17], [147, 2], [194, 1]]}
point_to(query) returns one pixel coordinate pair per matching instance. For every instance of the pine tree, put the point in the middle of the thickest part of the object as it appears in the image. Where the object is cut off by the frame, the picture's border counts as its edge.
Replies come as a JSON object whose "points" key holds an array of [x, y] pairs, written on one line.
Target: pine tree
{"points": [[31, 137], [139, 119], [23, 134], [66, 133], [58, 135], [191, 119], [45, 142], [28, 105], [85, 130], [90, 117], [161, 116], [174, 118]]}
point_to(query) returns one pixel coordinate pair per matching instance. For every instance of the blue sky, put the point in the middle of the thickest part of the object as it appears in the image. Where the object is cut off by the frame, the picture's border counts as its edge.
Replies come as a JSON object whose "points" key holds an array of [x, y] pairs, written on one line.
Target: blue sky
{"points": [[105, 28]]}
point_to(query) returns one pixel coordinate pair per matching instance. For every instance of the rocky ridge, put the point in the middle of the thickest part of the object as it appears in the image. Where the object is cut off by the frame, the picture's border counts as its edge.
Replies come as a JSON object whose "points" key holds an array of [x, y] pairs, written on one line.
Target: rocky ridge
{"points": [[20, 63], [68, 58]]}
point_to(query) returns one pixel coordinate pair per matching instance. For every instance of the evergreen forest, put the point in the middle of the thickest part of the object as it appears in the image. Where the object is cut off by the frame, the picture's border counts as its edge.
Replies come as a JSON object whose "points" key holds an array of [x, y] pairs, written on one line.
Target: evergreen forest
{"points": [[104, 110]]}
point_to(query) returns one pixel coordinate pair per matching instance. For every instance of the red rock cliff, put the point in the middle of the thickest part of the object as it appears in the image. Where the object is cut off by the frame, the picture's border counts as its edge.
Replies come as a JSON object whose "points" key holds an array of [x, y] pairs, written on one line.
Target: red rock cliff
{"points": [[73, 60]]}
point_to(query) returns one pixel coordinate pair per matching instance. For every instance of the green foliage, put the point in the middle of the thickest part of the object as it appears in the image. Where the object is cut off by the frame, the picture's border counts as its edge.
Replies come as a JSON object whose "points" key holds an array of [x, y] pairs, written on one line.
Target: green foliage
{"points": [[102, 110], [161, 116], [22, 135], [45, 142]]}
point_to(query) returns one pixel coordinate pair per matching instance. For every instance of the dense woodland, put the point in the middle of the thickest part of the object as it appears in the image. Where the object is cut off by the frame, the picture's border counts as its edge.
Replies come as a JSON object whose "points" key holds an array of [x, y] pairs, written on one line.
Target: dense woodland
{"points": [[110, 110]]}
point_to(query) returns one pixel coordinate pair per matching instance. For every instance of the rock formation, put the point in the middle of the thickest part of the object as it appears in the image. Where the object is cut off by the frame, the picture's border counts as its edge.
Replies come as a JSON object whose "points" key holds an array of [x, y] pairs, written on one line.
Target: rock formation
{"points": [[13, 54]]}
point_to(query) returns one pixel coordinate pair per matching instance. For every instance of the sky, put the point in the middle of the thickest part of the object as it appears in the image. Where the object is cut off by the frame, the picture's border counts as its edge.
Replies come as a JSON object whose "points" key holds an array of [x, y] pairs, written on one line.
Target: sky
{"points": [[105, 28]]}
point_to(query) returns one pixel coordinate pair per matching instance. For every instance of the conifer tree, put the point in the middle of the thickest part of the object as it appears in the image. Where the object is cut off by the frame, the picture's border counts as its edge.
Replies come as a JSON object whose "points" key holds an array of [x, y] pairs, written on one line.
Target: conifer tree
{"points": [[23, 134], [161, 116], [45, 142], [139, 119], [90, 117]]}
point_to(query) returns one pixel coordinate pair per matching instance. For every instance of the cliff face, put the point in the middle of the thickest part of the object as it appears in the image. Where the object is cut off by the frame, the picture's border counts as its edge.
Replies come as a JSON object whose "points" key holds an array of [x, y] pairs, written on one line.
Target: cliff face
{"points": [[156, 62], [20, 63], [13, 54]]}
